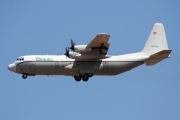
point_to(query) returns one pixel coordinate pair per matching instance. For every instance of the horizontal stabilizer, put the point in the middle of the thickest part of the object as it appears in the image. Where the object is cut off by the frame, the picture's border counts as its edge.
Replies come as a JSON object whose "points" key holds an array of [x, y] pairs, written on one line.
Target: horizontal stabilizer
{"points": [[157, 57]]}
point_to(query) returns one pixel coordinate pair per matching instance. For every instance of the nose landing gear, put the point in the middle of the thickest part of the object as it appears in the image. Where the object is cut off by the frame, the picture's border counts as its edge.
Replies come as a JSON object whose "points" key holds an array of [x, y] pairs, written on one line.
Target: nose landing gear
{"points": [[24, 76]]}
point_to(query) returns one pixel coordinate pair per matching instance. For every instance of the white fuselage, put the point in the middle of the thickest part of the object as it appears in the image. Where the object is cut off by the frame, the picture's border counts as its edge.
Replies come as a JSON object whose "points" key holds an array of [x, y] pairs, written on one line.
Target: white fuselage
{"points": [[62, 65]]}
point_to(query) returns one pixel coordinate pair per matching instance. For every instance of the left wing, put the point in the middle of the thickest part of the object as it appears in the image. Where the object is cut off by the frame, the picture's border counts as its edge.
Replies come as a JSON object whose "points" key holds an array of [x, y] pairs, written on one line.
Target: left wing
{"points": [[99, 44]]}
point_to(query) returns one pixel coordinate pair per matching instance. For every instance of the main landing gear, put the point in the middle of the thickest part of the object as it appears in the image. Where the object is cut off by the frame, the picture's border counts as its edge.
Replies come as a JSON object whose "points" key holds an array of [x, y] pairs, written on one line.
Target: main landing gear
{"points": [[85, 77], [24, 76]]}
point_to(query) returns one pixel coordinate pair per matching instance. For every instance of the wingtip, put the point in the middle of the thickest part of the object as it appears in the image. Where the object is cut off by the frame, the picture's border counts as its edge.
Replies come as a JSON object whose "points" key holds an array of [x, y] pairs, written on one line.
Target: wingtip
{"points": [[103, 34]]}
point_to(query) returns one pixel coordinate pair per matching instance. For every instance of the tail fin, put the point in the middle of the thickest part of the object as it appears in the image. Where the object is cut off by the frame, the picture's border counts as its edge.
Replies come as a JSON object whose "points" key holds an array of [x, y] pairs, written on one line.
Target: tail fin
{"points": [[156, 46]]}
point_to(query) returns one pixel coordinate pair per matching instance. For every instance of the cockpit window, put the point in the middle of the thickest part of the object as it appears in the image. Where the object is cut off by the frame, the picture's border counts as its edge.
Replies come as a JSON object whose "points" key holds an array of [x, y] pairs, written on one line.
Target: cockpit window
{"points": [[20, 59]]}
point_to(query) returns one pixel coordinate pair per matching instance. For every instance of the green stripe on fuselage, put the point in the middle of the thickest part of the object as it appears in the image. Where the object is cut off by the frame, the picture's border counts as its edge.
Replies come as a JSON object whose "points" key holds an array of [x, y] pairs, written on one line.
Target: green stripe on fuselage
{"points": [[44, 59]]}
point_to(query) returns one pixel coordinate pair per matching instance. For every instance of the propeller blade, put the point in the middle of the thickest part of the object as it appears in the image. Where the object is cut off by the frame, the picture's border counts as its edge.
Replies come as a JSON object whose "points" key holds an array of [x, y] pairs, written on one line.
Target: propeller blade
{"points": [[72, 45], [67, 52]]}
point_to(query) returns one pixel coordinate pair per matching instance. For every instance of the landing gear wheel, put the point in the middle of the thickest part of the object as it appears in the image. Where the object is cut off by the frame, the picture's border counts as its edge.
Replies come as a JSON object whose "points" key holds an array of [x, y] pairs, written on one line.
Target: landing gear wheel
{"points": [[81, 75], [90, 74], [77, 78], [85, 77], [24, 76]]}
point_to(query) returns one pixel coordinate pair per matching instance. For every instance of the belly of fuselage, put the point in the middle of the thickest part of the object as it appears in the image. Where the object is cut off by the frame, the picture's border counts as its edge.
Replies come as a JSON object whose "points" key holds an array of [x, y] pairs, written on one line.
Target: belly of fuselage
{"points": [[72, 68]]}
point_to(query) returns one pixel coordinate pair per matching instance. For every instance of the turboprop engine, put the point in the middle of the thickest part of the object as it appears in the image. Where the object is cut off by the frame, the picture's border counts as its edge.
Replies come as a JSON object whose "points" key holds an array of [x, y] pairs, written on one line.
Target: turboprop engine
{"points": [[79, 48], [76, 55]]}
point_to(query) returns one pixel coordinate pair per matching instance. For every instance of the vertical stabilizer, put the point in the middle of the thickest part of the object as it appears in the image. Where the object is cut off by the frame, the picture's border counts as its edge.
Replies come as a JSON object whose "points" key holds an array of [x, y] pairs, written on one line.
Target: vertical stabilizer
{"points": [[156, 46], [156, 41]]}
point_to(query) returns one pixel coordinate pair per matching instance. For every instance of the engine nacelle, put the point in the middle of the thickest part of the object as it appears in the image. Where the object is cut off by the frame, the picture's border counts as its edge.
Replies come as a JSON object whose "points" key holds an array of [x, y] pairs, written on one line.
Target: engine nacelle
{"points": [[81, 48], [73, 54]]}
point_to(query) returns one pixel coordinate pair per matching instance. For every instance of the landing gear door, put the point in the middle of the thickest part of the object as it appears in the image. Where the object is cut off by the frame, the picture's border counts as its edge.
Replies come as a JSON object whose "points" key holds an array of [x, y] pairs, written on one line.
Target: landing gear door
{"points": [[86, 70]]}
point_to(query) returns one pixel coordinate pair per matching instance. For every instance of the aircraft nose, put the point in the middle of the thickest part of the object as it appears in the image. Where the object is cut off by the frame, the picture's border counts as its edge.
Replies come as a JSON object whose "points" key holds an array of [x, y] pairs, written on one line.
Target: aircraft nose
{"points": [[12, 67]]}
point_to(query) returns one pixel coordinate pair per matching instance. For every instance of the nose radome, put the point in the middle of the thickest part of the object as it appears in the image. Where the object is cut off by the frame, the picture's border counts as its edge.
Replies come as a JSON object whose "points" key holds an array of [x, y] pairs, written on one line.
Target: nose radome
{"points": [[12, 67]]}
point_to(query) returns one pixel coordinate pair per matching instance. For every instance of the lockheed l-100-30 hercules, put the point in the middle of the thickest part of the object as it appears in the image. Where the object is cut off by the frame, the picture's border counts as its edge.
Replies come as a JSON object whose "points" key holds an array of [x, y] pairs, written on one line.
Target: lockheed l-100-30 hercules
{"points": [[88, 60]]}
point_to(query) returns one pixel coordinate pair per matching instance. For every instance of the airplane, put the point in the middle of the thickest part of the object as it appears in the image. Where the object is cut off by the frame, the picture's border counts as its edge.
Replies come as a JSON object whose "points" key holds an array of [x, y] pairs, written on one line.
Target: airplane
{"points": [[85, 61]]}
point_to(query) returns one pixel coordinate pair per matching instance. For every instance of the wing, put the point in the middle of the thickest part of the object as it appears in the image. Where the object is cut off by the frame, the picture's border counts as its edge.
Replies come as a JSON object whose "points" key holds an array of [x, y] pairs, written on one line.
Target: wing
{"points": [[99, 44]]}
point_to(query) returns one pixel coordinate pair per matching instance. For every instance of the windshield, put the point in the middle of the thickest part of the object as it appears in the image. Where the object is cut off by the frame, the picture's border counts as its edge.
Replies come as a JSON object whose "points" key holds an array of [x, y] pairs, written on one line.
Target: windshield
{"points": [[19, 59]]}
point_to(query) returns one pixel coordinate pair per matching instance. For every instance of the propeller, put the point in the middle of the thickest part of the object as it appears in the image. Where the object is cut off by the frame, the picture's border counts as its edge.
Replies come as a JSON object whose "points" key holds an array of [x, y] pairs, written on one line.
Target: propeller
{"points": [[72, 45], [67, 52]]}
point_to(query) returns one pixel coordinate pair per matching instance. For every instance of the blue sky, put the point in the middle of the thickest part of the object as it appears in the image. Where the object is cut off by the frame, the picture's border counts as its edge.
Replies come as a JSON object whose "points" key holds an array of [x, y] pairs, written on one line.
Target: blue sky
{"points": [[46, 27]]}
